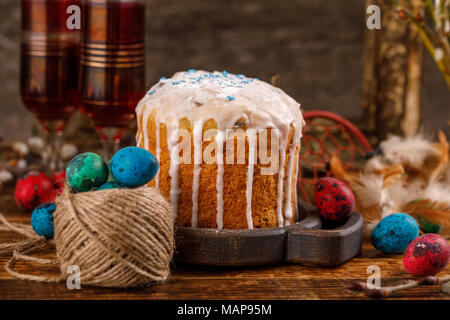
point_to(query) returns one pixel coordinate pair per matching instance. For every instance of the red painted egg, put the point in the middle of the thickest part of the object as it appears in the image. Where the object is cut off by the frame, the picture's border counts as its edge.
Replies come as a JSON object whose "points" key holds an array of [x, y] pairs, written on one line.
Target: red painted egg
{"points": [[426, 255], [33, 190], [59, 178], [52, 196], [334, 199]]}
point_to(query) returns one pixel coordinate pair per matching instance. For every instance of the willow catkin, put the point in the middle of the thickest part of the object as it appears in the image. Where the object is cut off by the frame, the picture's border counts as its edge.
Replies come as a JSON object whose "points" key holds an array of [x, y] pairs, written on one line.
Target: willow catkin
{"points": [[117, 237]]}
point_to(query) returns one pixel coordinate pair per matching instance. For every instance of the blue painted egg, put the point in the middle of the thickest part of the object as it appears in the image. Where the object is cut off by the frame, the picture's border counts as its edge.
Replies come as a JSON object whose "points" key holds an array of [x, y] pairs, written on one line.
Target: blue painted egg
{"points": [[42, 220], [394, 233], [112, 185], [134, 166]]}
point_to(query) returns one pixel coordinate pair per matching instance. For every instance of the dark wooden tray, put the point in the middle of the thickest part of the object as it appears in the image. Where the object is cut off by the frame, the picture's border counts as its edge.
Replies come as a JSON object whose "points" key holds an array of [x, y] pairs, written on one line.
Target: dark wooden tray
{"points": [[308, 241]]}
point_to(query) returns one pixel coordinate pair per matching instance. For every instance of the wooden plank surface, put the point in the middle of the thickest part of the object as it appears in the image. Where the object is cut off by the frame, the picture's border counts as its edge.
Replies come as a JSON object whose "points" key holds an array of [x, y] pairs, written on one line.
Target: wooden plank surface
{"points": [[288, 281]]}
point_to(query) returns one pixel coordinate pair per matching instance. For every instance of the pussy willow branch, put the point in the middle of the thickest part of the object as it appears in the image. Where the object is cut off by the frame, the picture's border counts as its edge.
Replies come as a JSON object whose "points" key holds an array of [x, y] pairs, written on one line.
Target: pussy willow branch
{"points": [[385, 292], [430, 8], [432, 38]]}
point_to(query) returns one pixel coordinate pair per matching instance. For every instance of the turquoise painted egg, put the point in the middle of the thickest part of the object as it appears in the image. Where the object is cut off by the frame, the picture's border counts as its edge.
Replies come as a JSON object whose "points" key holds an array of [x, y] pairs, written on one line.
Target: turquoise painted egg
{"points": [[394, 233], [134, 166], [112, 185], [87, 171], [42, 220]]}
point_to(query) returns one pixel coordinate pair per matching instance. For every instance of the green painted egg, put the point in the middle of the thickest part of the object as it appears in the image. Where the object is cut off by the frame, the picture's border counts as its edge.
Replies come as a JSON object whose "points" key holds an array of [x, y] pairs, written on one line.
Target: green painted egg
{"points": [[87, 171]]}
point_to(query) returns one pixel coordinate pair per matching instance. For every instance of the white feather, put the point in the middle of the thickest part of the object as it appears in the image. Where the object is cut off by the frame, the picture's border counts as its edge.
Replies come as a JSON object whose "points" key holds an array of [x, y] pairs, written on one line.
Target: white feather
{"points": [[411, 150]]}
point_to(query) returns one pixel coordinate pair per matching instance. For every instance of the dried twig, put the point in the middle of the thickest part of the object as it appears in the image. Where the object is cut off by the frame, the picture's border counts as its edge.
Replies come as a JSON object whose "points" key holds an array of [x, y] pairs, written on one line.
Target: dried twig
{"points": [[435, 38], [385, 292]]}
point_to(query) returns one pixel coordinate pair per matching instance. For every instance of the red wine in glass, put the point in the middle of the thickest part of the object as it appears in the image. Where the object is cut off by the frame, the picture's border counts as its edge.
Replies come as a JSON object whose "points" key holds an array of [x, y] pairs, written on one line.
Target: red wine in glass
{"points": [[49, 69], [112, 65]]}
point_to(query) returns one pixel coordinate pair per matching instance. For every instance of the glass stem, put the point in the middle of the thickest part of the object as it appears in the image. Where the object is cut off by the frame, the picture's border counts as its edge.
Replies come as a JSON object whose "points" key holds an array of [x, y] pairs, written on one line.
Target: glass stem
{"points": [[110, 147], [111, 140], [48, 150], [53, 144], [57, 143]]}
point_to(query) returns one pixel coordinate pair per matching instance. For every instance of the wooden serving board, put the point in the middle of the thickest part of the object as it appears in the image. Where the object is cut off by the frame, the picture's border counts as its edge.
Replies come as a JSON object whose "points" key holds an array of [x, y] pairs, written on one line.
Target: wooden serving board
{"points": [[309, 241]]}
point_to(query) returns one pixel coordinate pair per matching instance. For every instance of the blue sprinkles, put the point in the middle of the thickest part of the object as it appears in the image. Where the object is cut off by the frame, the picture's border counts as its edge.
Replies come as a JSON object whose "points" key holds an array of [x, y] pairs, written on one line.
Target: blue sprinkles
{"points": [[222, 79]]}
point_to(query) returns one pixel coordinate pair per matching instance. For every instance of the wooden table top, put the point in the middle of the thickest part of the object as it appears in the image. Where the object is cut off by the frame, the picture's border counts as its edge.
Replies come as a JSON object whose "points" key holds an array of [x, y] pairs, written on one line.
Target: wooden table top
{"points": [[193, 282]]}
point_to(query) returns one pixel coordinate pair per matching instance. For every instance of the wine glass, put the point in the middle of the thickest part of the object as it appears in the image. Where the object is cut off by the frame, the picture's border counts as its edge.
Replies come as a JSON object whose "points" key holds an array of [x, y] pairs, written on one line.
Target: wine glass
{"points": [[49, 70], [112, 72]]}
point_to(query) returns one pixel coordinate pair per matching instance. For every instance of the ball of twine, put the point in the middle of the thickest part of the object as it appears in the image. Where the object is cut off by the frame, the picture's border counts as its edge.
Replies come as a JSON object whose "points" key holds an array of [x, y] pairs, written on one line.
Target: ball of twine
{"points": [[118, 237]]}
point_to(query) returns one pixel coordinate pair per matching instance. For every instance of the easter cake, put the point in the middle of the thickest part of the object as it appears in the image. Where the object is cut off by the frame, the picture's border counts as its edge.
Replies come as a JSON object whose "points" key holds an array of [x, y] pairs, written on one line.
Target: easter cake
{"points": [[228, 148]]}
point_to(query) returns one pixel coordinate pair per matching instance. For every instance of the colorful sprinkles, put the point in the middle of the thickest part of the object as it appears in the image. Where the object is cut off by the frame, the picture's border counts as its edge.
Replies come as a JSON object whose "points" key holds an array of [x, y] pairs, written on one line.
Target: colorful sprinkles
{"points": [[222, 79]]}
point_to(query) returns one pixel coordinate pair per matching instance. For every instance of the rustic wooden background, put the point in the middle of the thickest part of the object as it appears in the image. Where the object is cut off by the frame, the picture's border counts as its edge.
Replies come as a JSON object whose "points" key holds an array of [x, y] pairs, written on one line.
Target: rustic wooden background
{"points": [[316, 46]]}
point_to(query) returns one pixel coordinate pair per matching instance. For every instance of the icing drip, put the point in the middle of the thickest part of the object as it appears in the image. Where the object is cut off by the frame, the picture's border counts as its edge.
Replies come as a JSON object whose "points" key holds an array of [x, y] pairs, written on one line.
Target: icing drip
{"points": [[250, 169], [296, 179], [288, 188], [219, 182], [138, 137], [280, 185], [158, 150], [139, 129], [197, 167], [145, 118], [173, 173]]}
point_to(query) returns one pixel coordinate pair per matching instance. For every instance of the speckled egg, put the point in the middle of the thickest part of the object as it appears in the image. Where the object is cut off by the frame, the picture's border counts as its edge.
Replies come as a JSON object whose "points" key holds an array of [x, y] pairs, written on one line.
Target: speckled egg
{"points": [[59, 178], [394, 233], [134, 166], [334, 199], [42, 220], [33, 190], [112, 185], [87, 171], [426, 255]]}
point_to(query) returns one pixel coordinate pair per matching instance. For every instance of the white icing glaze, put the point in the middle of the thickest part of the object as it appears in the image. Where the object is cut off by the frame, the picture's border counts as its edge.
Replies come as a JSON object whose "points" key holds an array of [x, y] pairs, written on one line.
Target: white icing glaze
{"points": [[173, 172], [197, 160], [219, 182], [138, 137], [144, 127], [200, 96], [251, 136], [280, 216], [288, 192], [296, 178]]}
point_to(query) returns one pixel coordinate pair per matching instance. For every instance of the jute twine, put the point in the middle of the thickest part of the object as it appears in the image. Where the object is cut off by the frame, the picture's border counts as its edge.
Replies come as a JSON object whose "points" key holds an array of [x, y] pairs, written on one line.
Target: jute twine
{"points": [[117, 238]]}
